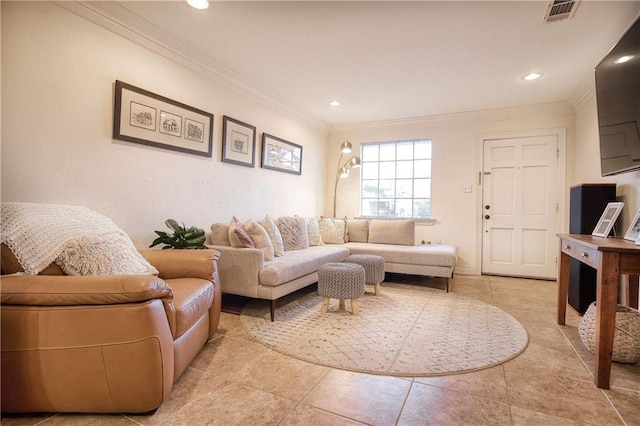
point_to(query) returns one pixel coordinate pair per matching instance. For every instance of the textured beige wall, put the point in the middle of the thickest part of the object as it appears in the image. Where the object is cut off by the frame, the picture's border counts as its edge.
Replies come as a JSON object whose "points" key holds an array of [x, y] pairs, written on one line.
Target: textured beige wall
{"points": [[58, 74]]}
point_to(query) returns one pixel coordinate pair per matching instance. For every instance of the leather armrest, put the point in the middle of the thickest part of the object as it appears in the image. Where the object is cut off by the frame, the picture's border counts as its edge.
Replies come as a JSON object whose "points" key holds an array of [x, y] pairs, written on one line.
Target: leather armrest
{"points": [[53, 290], [183, 263]]}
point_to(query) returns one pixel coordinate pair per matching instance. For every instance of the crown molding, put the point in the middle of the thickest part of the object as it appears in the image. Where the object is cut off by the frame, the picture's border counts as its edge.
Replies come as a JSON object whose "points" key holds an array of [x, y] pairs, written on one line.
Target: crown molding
{"points": [[119, 20], [499, 114], [584, 93]]}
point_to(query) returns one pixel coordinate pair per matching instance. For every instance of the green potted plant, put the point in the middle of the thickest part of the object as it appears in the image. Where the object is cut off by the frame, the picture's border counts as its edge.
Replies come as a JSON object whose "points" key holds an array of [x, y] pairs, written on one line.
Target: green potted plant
{"points": [[181, 238]]}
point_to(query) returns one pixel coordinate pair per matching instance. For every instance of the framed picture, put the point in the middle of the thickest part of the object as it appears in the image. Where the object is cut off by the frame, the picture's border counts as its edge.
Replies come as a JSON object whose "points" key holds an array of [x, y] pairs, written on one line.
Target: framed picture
{"points": [[238, 142], [608, 219], [633, 233], [149, 119], [281, 155]]}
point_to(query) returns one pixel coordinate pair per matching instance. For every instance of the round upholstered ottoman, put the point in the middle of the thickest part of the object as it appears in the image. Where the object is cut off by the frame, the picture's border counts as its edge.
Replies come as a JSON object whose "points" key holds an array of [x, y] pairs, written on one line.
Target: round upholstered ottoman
{"points": [[626, 337], [373, 267], [341, 281]]}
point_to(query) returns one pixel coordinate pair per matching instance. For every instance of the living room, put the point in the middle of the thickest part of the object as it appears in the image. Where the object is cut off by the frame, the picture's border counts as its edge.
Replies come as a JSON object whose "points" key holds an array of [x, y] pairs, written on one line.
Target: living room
{"points": [[59, 67], [69, 155]]}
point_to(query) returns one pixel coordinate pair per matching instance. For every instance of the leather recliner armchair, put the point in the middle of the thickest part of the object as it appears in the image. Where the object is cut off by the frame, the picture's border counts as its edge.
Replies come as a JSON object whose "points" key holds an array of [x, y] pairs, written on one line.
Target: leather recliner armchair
{"points": [[104, 344]]}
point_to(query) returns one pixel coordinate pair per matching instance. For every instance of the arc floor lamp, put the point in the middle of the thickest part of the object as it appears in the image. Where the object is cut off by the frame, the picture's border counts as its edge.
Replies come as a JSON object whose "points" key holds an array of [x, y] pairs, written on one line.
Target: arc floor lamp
{"points": [[343, 170]]}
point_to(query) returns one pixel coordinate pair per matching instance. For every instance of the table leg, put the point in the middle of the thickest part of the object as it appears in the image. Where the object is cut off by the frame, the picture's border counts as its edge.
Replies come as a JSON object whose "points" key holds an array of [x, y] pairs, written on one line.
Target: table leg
{"points": [[563, 286], [633, 291], [606, 302]]}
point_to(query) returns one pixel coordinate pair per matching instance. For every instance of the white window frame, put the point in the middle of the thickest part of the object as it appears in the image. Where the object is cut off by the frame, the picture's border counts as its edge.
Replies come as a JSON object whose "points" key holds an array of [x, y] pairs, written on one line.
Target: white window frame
{"points": [[379, 163]]}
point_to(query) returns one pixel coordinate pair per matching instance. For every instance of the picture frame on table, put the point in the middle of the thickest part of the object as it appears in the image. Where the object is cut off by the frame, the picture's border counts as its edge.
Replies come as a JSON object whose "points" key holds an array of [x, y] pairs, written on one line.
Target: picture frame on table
{"points": [[150, 119], [281, 155], [238, 142], [633, 232], [608, 219]]}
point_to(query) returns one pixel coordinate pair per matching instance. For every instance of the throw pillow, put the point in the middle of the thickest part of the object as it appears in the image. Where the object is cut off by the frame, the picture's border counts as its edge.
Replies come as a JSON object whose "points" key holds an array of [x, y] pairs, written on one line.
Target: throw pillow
{"points": [[271, 227], [109, 252], [260, 238], [220, 234], [313, 232], [294, 232], [332, 230], [392, 231], [238, 236], [358, 230]]}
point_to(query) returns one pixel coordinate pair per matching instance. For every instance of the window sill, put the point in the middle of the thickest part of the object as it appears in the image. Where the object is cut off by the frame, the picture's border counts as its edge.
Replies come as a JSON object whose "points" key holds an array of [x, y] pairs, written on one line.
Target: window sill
{"points": [[419, 222]]}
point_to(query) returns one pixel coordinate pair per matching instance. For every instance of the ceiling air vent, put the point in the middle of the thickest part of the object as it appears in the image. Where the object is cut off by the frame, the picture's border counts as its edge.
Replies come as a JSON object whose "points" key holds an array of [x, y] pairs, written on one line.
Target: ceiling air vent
{"points": [[560, 9]]}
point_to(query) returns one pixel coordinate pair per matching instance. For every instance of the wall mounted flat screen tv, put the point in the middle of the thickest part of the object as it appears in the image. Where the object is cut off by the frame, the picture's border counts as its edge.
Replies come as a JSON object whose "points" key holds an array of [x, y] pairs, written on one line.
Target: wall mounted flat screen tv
{"points": [[618, 103]]}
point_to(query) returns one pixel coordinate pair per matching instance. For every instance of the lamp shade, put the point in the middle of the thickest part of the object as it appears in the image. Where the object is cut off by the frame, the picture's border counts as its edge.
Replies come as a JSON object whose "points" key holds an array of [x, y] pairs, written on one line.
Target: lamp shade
{"points": [[355, 162], [344, 172], [346, 147]]}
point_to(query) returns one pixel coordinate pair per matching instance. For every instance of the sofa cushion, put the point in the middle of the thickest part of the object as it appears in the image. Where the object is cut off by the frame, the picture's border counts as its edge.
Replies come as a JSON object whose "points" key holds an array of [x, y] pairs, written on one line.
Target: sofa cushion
{"points": [[298, 263], [358, 230], [425, 254], [271, 227], [392, 231], [332, 230], [294, 232], [260, 238], [192, 298], [313, 232], [220, 234], [238, 236]]}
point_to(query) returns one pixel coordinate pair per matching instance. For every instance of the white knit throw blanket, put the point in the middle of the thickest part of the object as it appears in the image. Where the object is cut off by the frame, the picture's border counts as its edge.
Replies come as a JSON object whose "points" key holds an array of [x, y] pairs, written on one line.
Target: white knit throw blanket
{"points": [[80, 240]]}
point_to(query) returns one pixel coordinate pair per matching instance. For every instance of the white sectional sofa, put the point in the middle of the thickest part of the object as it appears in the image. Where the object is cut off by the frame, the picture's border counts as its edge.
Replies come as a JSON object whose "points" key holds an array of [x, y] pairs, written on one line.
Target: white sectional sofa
{"points": [[257, 272]]}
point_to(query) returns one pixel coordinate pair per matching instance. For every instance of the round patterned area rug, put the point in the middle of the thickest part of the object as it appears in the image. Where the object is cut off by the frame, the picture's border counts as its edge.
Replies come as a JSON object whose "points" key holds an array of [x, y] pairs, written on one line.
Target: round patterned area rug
{"points": [[406, 331]]}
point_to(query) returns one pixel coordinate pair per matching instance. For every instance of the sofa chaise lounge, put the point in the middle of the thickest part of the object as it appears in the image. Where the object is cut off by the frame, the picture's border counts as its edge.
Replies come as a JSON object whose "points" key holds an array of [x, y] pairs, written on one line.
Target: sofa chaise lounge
{"points": [[246, 272]]}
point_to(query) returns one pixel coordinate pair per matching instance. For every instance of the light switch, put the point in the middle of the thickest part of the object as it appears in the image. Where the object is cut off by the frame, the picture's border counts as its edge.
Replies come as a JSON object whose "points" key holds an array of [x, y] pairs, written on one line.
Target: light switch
{"points": [[467, 188]]}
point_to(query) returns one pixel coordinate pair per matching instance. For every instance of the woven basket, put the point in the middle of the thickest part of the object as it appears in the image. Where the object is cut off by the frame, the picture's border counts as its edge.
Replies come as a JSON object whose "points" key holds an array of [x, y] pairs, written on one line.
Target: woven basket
{"points": [[626, 339]]}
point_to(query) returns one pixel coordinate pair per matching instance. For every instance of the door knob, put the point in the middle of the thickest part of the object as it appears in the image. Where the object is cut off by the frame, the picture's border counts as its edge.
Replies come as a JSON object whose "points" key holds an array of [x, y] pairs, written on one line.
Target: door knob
{"points": [[487, 207], [486, 216]]}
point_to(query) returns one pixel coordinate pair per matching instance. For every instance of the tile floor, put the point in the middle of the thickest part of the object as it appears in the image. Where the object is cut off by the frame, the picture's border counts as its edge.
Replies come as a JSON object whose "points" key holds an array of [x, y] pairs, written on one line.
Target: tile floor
{"points": [[236, 380]]}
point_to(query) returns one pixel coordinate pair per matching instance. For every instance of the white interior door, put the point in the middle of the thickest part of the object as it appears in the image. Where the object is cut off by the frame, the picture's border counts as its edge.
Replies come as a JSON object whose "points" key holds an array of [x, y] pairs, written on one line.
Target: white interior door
{"points": [[520, 206]]}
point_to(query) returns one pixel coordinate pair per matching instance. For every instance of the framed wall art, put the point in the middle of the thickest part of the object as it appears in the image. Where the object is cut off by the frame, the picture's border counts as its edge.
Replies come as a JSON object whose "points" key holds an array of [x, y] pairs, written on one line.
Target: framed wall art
{"points": [[633, 233], [238, 142], [608, 219], [150, 119], [281, 155]]}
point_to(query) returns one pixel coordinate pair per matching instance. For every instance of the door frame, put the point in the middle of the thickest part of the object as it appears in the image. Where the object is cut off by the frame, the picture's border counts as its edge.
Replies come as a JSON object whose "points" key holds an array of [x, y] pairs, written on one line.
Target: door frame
{"points": [[561, 218]]}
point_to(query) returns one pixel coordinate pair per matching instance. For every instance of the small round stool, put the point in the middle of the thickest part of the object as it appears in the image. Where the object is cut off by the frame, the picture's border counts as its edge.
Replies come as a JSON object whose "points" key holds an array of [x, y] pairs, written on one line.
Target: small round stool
{"points": [[373, 267], [341, 281]]}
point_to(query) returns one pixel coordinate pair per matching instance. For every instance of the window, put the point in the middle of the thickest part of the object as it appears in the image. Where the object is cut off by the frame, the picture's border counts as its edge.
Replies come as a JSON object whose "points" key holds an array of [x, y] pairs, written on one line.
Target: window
{"points": [[395, 179]]}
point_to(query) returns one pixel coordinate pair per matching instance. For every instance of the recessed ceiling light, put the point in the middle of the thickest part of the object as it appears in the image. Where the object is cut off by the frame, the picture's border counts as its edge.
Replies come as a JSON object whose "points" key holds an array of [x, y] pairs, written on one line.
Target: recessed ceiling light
{"points": [[335, 103], [198, 4], [623, 59], [532, 76]]}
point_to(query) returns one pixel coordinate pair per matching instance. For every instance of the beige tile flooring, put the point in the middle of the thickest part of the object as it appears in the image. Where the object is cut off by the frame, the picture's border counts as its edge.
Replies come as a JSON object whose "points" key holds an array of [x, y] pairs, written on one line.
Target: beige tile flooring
{"points": [[236, 380]]}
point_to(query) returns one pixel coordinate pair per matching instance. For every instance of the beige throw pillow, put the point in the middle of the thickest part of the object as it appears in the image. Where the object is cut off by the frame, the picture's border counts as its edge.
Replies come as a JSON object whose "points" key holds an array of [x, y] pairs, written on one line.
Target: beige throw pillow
{"points": [[271, 227], [332, 230], [313, 232], [260, 238], [294, 232]]}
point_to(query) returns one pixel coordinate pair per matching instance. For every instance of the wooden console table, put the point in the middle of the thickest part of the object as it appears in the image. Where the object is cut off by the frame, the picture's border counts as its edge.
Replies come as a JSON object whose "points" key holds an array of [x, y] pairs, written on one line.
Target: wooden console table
{"points": [[611, 257]]}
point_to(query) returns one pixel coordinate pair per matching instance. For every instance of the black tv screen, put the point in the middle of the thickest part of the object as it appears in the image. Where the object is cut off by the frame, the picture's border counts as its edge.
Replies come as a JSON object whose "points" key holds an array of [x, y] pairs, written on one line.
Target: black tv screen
{"points": [[618, 103]]}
